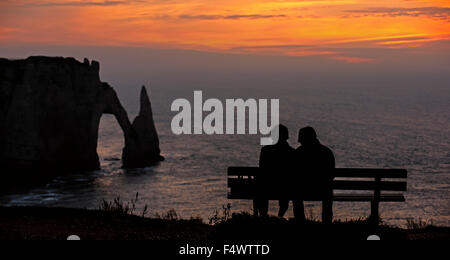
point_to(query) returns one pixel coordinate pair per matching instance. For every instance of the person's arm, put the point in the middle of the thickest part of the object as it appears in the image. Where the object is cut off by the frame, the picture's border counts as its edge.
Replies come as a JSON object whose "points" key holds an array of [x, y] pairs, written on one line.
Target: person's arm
{"points": [[331, 163], [332, 160]]}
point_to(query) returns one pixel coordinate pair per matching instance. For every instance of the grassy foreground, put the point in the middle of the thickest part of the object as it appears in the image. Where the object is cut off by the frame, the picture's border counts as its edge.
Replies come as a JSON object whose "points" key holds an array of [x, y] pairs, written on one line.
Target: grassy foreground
{"points": [[34, 223]]}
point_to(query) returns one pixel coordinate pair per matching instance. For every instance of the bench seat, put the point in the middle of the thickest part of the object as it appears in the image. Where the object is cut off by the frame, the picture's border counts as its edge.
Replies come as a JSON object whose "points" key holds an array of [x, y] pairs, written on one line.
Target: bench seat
{"points": [[336, 197]]}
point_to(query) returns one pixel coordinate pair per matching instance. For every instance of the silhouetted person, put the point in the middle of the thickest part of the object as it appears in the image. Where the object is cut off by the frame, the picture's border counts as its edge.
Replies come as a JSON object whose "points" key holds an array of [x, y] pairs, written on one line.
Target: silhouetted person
{"points": [[276, 163], [315, 162]]}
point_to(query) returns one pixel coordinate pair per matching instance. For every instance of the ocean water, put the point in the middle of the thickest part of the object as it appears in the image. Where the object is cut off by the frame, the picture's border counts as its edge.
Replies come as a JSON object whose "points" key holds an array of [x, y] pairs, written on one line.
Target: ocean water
{"points": [[365, 127]]}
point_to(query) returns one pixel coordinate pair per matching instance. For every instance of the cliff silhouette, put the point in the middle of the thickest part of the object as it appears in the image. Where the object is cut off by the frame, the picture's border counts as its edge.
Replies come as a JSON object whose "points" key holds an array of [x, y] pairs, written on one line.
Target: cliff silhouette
{"points": [[50, 111]]}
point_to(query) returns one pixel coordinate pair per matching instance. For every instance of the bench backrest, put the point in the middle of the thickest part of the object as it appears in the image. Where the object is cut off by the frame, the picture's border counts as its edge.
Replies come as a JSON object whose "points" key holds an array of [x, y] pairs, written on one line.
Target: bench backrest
{"points": [[354, 178]]}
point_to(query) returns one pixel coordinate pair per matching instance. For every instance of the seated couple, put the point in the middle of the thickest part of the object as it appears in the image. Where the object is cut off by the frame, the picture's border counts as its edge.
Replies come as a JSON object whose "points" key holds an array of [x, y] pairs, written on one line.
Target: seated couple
{"points": [[295, 174]]}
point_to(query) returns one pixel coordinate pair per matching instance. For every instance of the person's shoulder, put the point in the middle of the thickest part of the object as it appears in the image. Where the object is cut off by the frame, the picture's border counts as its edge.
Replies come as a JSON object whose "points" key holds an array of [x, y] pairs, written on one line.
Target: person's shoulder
{"points": [[326, 149], [287, 146], [267, 148]]}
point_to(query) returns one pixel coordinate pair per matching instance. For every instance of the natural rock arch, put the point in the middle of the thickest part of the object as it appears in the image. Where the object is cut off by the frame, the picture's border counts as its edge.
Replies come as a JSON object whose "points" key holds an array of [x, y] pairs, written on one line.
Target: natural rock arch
{"points": [[50, 111]]}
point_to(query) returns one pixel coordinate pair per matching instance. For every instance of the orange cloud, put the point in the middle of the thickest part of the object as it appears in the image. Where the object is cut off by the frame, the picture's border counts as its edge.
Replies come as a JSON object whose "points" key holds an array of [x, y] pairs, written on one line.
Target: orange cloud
{"points": [[7, 32], [353, 60], [310, 53]]}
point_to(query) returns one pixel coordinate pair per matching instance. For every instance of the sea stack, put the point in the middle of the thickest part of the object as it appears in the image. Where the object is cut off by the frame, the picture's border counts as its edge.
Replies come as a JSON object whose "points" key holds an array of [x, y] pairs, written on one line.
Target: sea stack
{"points": [[146, 152], [50, 111]]}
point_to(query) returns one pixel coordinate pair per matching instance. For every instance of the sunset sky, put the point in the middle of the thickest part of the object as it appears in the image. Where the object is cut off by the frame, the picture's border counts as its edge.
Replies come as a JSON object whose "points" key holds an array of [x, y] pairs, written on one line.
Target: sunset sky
{"points": [[329, 28]]}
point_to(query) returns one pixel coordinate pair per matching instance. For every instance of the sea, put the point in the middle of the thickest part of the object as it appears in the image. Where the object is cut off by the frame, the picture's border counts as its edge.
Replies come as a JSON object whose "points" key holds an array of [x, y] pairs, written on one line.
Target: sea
{"points": [[364, 126]]}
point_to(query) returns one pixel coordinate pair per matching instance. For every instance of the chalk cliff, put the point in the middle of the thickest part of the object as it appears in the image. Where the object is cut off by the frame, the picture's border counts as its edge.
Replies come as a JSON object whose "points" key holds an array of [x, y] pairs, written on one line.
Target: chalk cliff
{"points": [[50, 110]]}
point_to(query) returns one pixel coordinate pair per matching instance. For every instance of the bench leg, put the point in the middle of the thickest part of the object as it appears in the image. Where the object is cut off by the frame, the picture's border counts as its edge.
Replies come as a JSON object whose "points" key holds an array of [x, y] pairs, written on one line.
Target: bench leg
{"points": [[374, 212], [374, 207]]}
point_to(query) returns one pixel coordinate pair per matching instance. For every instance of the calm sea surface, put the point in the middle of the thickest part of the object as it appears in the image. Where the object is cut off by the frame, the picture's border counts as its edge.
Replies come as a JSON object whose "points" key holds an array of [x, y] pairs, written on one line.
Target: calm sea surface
{"points": [[365, 127]]}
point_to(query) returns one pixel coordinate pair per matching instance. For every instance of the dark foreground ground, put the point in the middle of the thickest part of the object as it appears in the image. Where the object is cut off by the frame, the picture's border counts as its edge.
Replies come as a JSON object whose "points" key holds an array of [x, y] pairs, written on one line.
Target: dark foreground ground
{"points": [[31, 223]]}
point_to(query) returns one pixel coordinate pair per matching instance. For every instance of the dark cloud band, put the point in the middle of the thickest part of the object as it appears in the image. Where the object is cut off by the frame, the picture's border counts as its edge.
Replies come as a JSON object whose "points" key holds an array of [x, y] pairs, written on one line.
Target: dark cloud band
{"points": [[102, 3], [230, 17], [433, 12]]}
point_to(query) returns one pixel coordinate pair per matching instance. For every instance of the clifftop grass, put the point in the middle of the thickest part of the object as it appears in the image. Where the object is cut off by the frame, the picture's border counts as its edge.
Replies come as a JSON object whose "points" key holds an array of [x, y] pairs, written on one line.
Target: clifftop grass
{"points": [[36, 223]]}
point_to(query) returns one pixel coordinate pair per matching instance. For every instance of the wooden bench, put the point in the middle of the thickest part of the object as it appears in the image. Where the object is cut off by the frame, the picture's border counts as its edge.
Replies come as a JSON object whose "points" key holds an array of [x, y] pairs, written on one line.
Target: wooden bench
{"points": [[241, 186]]}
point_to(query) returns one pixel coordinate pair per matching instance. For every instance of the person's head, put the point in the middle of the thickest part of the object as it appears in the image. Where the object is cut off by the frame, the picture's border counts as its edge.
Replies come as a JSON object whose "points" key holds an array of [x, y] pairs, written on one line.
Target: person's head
{"points": [[307, 136], [283, 133]]}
